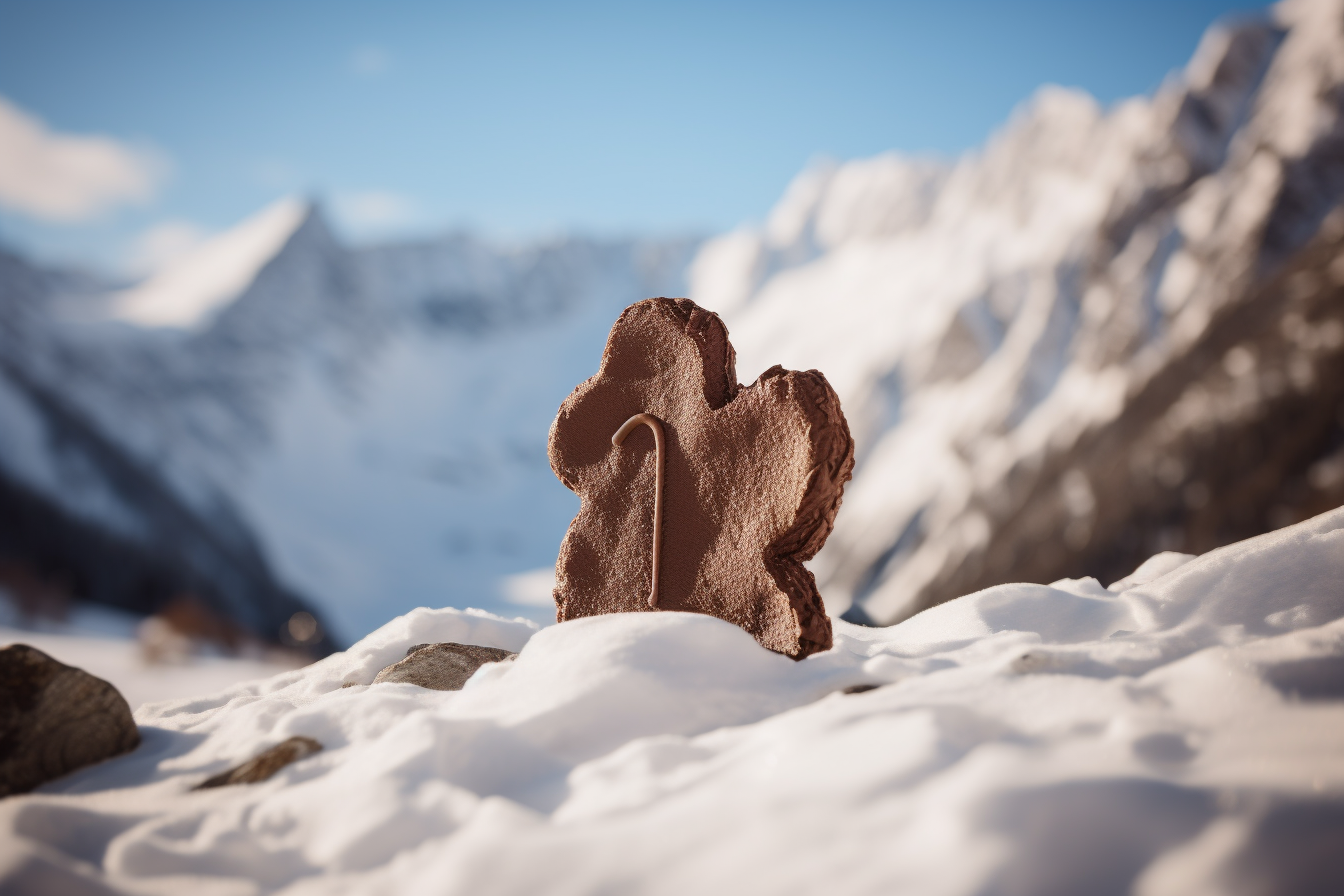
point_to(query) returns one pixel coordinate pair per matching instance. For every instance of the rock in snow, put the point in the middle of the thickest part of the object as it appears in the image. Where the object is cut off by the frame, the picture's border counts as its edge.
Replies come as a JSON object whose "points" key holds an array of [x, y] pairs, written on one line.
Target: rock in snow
{"points": [[265, 764], [54, 719], [441, 667], [1181, 733]]}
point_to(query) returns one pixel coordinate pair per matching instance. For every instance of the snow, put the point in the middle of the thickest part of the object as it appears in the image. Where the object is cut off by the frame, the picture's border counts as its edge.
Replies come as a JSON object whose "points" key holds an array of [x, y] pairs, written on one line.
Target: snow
{"points": [[979, 316], [378, 418], [33, 453], [120, 661], [104, 642], [189, 289], [432, 483], [423, 479], [1182, 734], [941, 325], [371, 421]]}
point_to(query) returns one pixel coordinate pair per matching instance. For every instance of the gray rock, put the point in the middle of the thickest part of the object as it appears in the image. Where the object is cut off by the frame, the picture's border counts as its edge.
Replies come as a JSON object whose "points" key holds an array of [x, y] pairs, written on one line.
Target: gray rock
{"points": [[265, 764], [55, 719], [441, 667]]}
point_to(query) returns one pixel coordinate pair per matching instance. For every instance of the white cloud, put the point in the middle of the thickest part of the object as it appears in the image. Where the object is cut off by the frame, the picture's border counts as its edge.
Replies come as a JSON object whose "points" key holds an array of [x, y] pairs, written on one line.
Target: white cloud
{"points": [[374, 211], [64, 177], [530, 589], [163, 244], [369, 60]]}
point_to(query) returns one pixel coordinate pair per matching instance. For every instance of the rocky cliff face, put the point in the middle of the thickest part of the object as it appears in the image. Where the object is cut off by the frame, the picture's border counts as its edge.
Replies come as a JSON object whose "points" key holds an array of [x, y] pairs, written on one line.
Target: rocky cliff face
{"points": [[1241, 433], [1107, 334]]}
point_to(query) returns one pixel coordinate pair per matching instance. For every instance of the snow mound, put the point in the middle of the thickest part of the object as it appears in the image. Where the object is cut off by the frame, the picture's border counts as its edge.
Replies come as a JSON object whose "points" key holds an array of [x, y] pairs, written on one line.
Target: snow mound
{"points": [[1180, 735]]}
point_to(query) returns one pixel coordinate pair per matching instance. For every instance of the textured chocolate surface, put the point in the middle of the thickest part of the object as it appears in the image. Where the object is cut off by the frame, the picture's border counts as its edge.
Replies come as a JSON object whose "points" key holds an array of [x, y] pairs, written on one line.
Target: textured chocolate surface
{"points": [[753, 480]]}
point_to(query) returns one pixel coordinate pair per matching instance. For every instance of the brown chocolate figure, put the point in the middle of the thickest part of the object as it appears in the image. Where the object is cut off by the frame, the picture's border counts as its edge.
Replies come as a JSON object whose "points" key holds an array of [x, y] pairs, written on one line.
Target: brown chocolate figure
{"points": [[698, 494]]}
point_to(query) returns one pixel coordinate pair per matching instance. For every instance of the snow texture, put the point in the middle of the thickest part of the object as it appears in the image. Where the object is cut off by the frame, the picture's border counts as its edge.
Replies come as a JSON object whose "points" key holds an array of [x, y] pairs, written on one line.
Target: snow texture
{"points": [[1182, 734]]}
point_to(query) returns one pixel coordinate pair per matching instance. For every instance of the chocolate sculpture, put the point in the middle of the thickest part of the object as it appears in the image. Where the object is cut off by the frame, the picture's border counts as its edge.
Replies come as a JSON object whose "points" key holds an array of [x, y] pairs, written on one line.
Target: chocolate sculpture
{"points": [[698, 494]]}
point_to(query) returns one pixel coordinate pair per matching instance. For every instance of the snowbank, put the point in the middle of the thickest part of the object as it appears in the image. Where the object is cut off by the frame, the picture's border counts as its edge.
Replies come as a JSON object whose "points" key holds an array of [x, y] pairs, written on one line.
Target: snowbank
{"points": [[1181, 734]]}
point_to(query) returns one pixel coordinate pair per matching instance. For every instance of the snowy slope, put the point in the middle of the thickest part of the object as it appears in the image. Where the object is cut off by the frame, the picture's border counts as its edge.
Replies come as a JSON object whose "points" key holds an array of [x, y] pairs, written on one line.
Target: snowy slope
{"points": [[427, 483], [368, 425], [982, 321], [88, 508], [1180, 732]]}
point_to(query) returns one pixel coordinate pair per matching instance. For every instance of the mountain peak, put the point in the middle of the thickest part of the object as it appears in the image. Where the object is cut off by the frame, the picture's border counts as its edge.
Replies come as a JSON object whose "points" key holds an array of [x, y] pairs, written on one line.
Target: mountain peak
{"points": [[188, 292]]}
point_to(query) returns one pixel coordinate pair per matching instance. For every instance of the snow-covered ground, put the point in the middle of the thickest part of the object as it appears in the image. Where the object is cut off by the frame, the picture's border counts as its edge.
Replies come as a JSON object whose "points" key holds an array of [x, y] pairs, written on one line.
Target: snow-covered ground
{"points": [[1180, 732], [105, 642], [376, 419], [121, 662]]}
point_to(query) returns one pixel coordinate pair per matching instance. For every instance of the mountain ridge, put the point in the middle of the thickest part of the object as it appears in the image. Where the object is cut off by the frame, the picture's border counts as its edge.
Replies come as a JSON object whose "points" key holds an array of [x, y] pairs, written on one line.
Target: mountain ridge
{"points": [[1080, 254], [1041, 348], [235, 410]]}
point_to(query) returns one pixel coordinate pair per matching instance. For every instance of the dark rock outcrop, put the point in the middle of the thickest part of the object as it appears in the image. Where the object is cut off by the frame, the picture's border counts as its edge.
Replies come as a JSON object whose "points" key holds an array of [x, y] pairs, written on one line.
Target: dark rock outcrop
{"points": [[55, 719], [441, 667]]}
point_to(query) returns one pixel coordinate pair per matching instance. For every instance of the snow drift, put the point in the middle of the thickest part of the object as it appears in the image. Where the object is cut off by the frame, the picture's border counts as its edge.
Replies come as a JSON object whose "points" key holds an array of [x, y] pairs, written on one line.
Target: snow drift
{"points": [[1179, 732]]}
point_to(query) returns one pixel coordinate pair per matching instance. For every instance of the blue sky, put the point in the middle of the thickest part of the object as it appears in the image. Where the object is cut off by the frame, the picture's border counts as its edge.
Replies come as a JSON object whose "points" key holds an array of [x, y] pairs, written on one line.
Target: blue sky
{"points": [[526, 119]]}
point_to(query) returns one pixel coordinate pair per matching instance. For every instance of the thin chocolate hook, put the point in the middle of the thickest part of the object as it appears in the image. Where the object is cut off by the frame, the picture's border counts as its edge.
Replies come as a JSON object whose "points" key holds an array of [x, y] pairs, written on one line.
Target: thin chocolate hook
{"points": [[657, 426]]}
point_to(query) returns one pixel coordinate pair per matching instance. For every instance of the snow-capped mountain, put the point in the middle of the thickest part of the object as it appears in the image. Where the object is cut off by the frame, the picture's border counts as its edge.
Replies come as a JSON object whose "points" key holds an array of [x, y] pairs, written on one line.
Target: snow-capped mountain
{"points": [[82, 513], [1110, 332], [421, 478], [371, 423]]}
